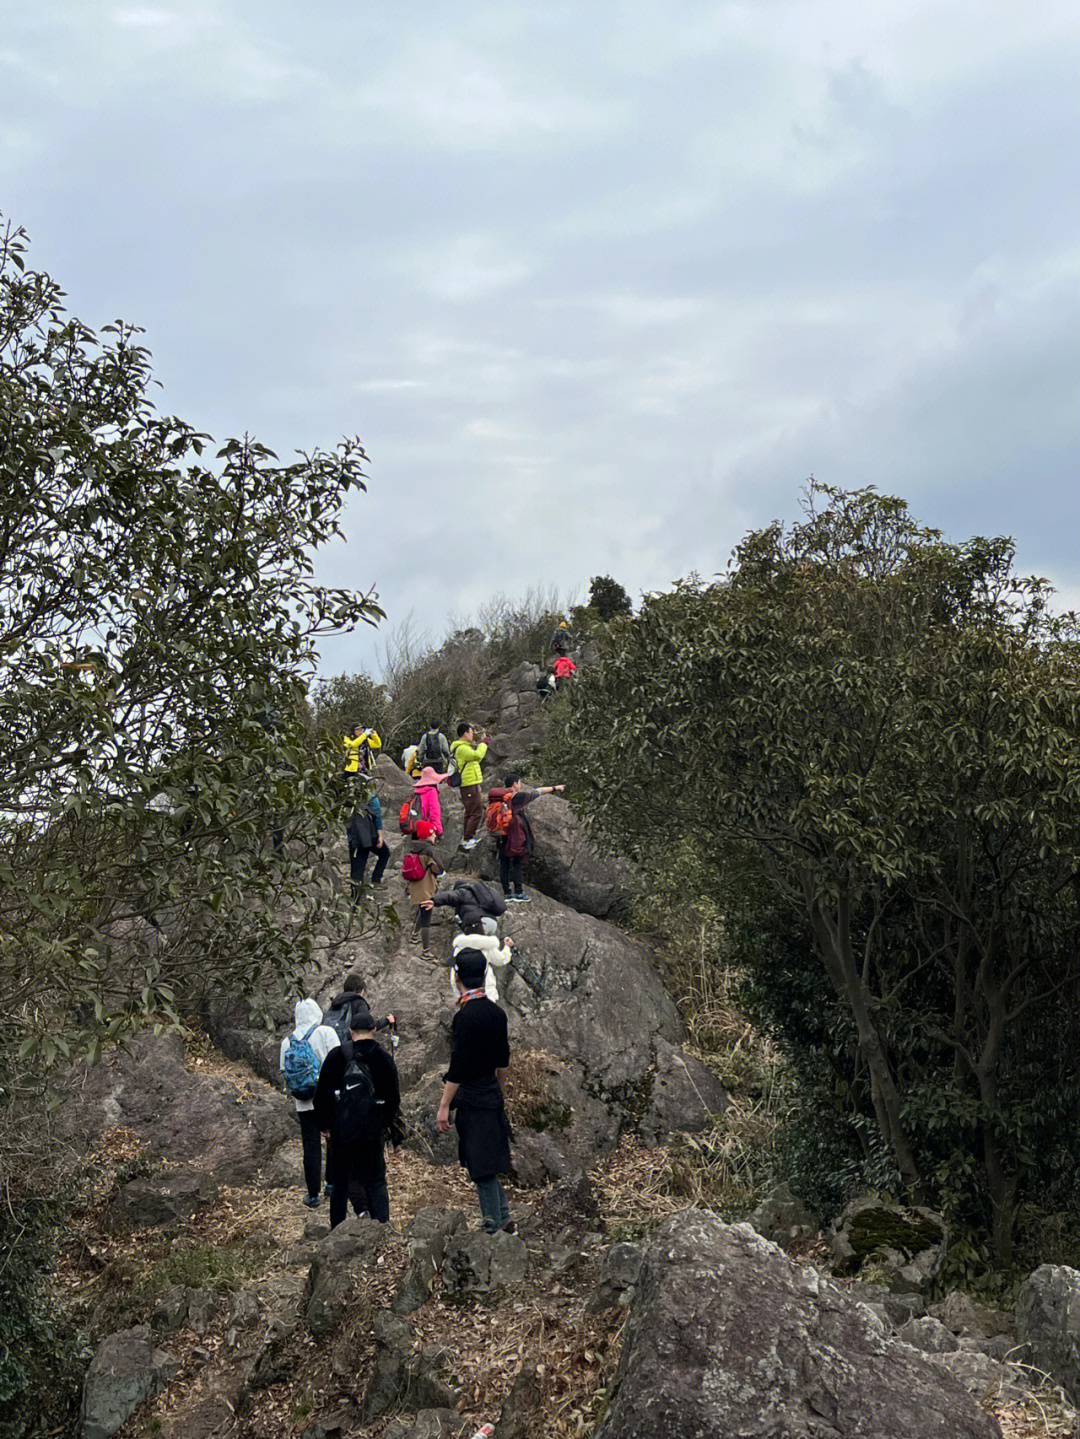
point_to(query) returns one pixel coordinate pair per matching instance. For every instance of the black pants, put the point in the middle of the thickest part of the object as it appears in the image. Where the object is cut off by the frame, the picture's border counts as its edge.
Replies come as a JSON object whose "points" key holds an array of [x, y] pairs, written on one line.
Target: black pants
{"points": [[358, 859], [511, 871], [311, 1140], [360, 1180], [423, 924]]}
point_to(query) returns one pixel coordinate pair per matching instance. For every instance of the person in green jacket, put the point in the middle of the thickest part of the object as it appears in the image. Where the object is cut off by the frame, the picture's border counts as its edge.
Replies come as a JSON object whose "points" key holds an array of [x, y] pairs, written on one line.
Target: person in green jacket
{"points": [[467, 756]]}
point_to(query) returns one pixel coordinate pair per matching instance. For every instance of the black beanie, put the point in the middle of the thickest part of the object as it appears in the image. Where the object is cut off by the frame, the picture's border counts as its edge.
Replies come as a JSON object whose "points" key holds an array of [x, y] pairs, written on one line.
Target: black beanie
{"points": [[360, 1020], [469, 967]]}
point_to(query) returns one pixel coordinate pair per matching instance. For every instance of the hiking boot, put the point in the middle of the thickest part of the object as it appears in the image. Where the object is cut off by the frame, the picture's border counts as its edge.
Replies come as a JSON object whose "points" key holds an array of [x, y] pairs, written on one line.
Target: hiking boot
{"points": [[510, 1227], [522, 898], [311, 1200]]}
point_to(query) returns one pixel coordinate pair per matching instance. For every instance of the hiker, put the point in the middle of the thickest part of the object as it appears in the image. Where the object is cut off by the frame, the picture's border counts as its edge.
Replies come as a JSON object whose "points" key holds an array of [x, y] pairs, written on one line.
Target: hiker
{"points": [[479, 1052], [476, 905], [366, 837], [420, 870], [427, 787], [467, 756], [357, 1104], [496, 955], [337, 1011], [302, 1055], [410, 761], [359, 748], [545, 687], [514, 837], [433, 748], [563, 670], [562, 641]]}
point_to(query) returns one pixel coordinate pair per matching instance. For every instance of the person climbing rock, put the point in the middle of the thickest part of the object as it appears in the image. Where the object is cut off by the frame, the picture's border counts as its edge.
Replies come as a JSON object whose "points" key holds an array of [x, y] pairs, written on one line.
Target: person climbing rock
{"points": [[515, 843], [420, 869], [366, 837], [433, 748], [360, 749], [467, 756], [427, 787], [356, 1103], [337, 1011], [562, 641], [305, 1049], [479, 1053], [476, 905], [563, 670], [497, 956]]}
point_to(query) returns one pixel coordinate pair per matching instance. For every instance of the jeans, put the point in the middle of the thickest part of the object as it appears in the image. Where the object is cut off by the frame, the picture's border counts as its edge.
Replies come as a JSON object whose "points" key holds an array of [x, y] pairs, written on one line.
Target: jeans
{"points": [[474, 809], [493, 1205], [311, 1140]]}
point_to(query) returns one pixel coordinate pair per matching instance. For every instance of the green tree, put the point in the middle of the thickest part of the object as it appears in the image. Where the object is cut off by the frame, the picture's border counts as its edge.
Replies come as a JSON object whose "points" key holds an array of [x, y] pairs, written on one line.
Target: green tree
{"points": [[886, 725], [160, 805], [608, 598]]}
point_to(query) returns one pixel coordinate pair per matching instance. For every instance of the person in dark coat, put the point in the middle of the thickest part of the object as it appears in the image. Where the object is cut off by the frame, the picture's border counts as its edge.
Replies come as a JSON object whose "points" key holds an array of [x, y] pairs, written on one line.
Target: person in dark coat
{"points": [[366, 837], [475, 904], [479, 1053], [516, 845], [358, 1163]]}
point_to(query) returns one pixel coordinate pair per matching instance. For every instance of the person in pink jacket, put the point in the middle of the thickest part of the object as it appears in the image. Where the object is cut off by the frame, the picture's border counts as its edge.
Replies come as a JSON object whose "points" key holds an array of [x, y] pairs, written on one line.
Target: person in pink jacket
{"points": [[427, 787]]}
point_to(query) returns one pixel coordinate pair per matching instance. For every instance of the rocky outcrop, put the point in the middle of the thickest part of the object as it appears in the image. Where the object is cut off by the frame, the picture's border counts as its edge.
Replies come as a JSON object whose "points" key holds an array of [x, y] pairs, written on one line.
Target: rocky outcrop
{"points": [[124, 1373], [163, 1199], [202, 1121], [339, 1255], [475, 1263], [1048, 1323], [726, 1336], [783, 1218], [891, 1244], [407, 1375]]}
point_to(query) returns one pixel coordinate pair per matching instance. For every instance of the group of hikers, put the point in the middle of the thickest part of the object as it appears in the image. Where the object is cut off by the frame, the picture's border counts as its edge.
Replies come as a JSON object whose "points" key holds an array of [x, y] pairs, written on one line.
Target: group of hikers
{"points": [[343, 1083]]}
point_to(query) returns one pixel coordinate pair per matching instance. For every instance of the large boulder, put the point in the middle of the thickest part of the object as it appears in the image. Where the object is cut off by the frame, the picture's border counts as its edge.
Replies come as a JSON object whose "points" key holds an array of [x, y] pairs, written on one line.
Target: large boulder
{"points": [[476, 1263], [1048, 1323], [567, 864], [182, 1114], [782, 1217], [334, 1269], [727, 1337], [124, 1373]]}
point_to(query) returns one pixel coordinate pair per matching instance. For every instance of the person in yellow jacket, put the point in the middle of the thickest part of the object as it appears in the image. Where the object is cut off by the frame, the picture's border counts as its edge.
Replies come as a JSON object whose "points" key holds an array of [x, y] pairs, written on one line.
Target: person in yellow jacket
{"points": [[467, 756], [359, 748]]}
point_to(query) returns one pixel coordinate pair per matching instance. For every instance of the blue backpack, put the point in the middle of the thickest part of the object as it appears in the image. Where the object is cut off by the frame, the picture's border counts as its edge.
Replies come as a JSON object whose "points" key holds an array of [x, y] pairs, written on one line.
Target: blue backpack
{"points": [[301, 1067]]}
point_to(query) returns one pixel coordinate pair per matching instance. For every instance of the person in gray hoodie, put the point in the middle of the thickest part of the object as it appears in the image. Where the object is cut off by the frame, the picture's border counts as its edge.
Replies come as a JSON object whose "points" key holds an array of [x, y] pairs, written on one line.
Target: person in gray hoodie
{"points": [[322, 1039]]}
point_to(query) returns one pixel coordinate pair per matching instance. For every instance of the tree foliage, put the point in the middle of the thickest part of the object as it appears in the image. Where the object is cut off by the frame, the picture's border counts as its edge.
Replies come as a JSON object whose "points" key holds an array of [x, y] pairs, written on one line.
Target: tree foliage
{"points": [[879, 729], [608, 598], [161, 809]]}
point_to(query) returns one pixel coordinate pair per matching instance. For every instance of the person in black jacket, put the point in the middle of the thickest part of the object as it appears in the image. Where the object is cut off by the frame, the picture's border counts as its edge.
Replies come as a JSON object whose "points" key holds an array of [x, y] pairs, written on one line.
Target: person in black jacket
{"points": [[475, 904], [357, 1103], [479, 1054]]}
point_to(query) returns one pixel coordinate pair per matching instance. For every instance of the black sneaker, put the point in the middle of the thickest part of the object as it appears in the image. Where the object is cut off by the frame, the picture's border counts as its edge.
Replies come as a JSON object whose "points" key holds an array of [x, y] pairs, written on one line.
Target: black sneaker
{"points": [[521, 898], [311, 1200]]}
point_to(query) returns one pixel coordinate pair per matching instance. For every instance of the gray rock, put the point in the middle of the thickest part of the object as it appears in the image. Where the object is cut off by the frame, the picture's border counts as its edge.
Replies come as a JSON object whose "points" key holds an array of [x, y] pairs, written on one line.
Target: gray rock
{"points": [[685, 1095], [727, 1337], [522, 1414], [928, 1335], [539, 1157], [567, 864], [984, 1378], [782, 1217], [164, 1199], [331, 1422], [960, 1313], [1002, 1347], [892, 1244], [428, 1233], [430, 1424], [478, 1264], [896, 1307], [618, 1278], [170, 1309], [406, 1375], [1048, 1323], [124, 1373], [202, 1307], [355, 1242]]}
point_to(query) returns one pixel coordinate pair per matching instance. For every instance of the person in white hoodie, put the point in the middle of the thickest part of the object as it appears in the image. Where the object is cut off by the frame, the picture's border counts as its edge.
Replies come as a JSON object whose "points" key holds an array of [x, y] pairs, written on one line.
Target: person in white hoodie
{"points": [[497, 956], [309, 1026]]}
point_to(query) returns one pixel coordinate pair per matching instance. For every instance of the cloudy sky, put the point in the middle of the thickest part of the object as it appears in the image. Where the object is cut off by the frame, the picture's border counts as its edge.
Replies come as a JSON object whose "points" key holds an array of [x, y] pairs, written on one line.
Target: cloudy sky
{"points": [[598, 285]]}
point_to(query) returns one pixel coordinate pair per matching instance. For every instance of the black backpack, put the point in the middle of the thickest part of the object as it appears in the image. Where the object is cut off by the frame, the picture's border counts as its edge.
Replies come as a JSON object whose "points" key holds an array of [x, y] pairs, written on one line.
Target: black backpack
{"points": [[488, 899], [431, 751], [356, 1108]]}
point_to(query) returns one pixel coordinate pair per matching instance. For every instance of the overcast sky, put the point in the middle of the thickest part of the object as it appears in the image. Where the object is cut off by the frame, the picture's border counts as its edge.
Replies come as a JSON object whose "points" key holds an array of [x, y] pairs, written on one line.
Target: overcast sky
{"points": [[598, 285]]}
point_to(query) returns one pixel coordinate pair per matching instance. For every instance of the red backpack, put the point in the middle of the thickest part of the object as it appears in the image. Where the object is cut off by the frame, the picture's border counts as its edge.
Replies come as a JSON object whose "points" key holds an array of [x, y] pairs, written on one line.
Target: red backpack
{"points": [[412, 868], [498, 814], [410, 815]]}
